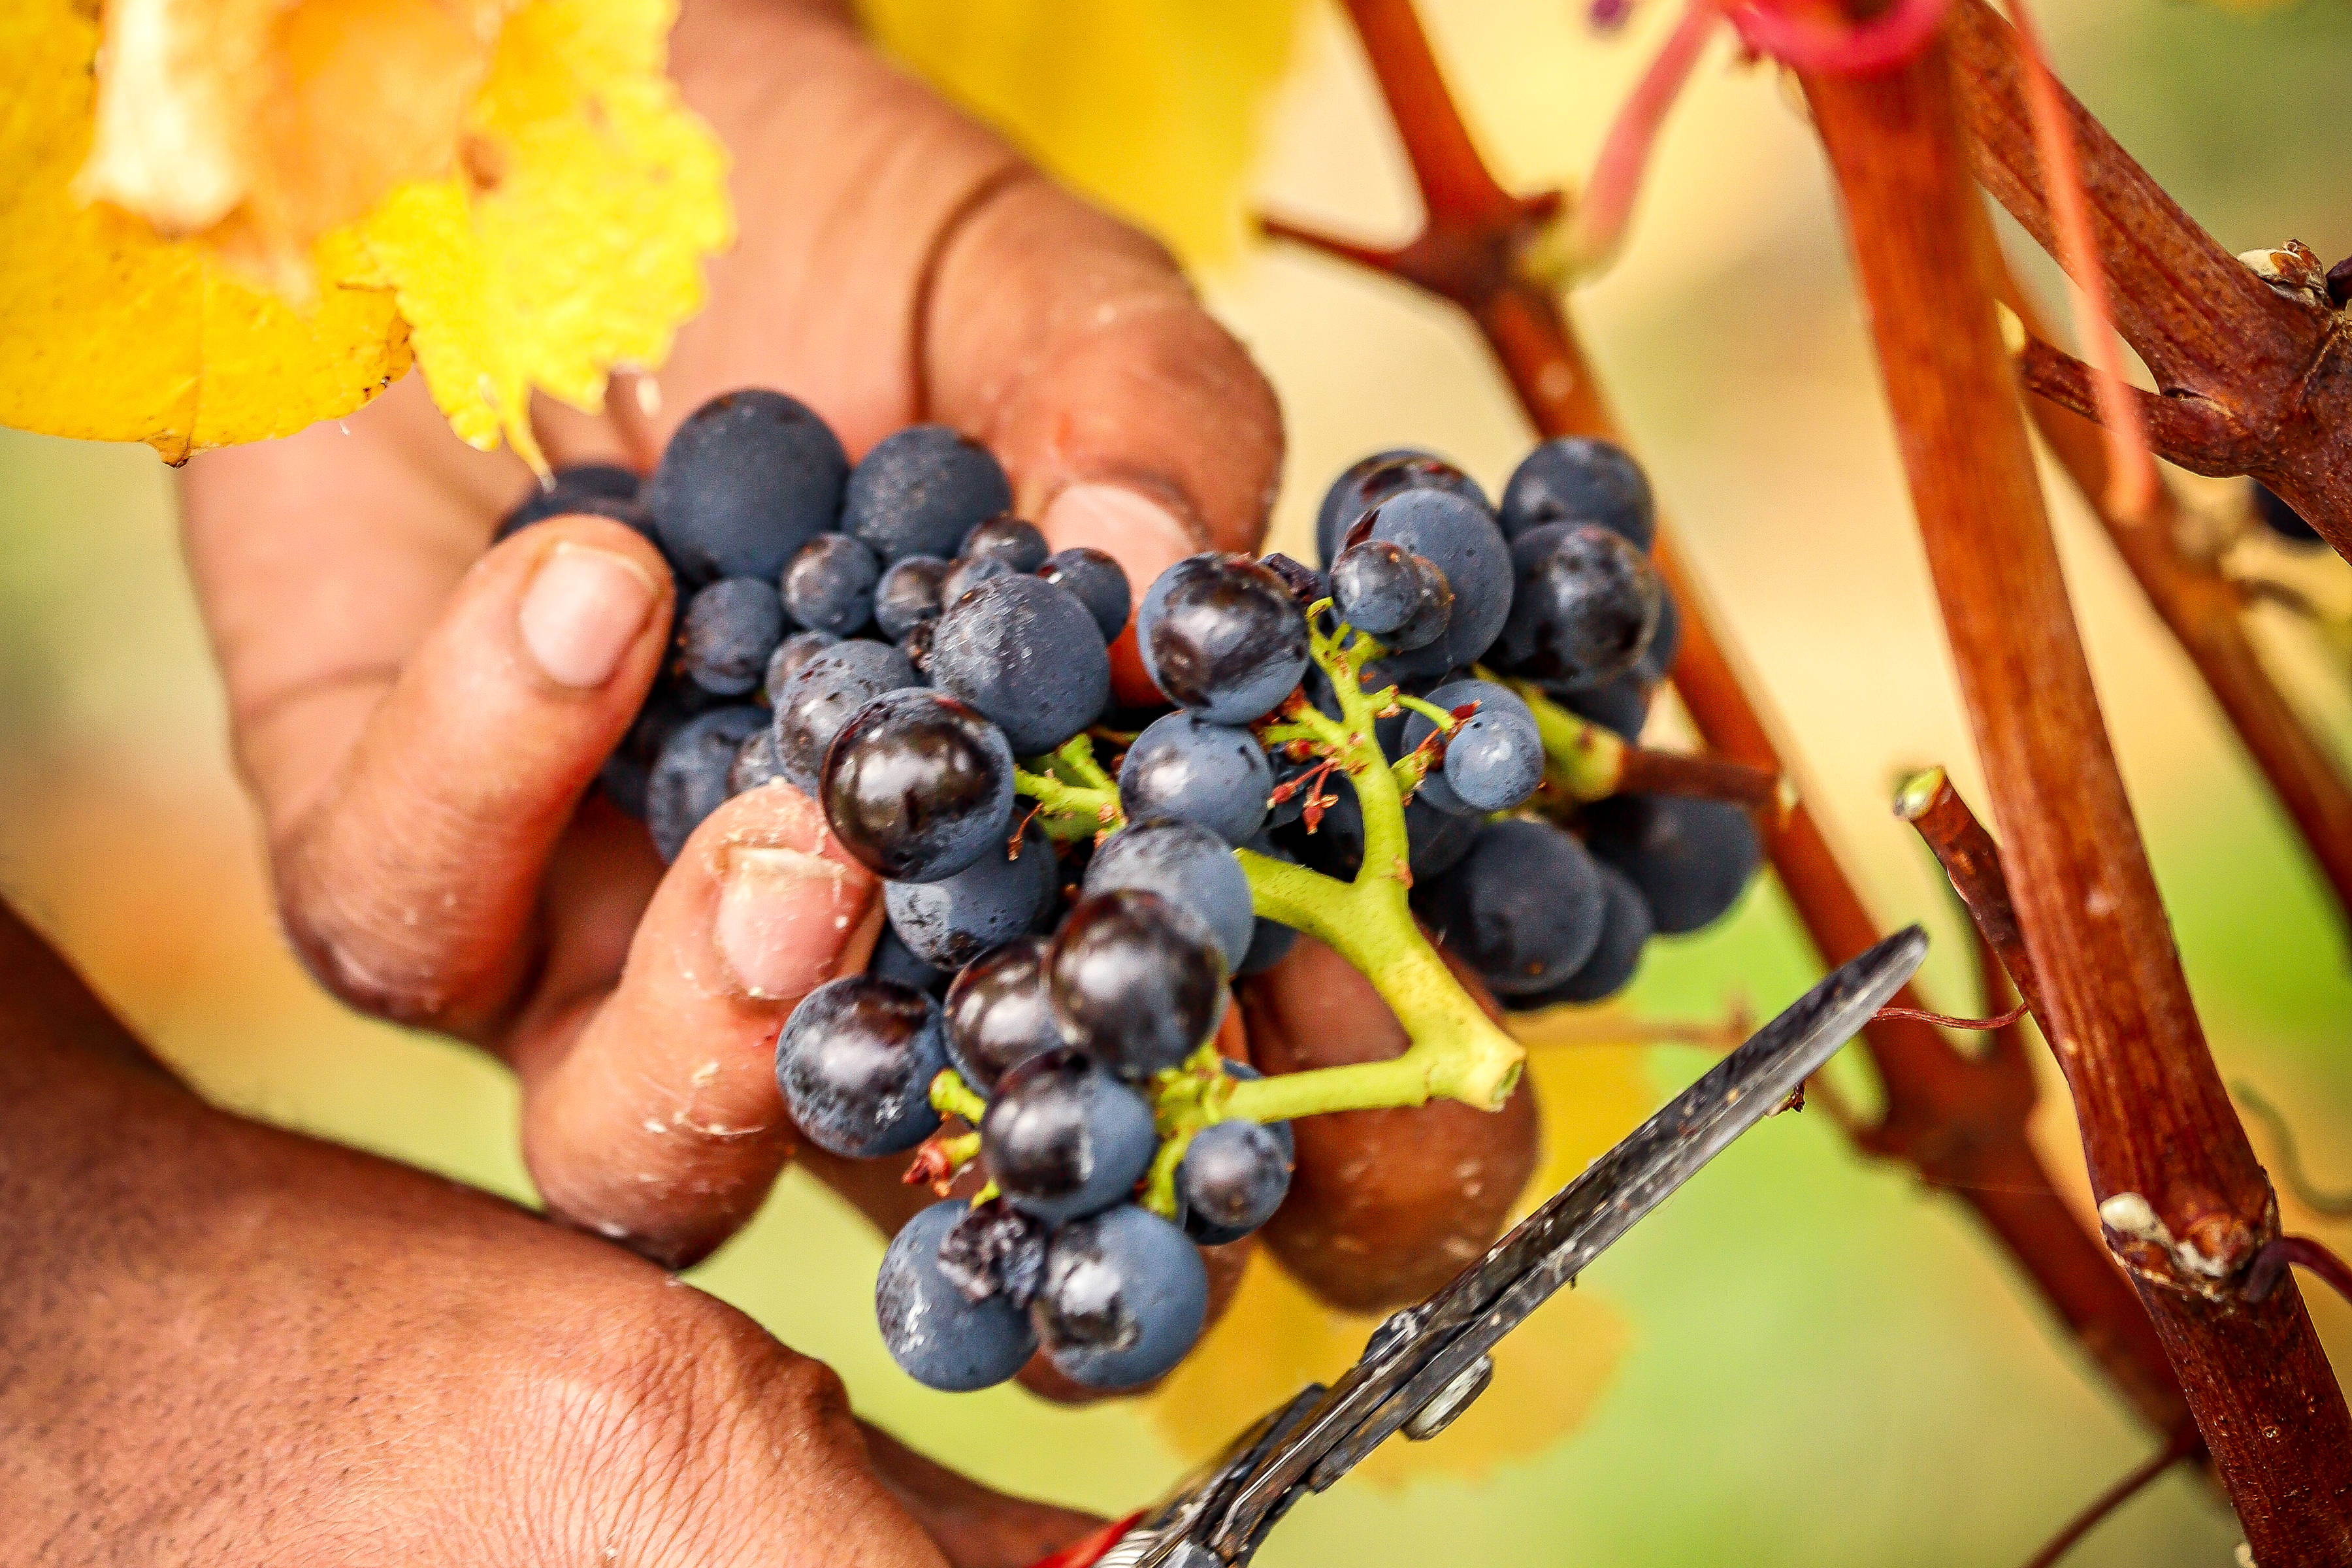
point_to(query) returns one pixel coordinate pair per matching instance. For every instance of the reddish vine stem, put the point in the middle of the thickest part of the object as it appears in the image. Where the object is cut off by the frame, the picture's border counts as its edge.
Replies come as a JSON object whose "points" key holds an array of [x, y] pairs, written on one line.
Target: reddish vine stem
{"points": [[2257, 379], [2184, 1446], [1649, 771], [1959, 1121], [1972, 862], [2300, 1251], [2186, 1205]]}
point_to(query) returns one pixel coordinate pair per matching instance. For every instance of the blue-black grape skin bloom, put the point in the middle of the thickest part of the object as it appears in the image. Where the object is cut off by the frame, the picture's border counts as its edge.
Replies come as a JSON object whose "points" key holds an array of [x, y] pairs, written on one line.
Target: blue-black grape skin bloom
{"points": [[855, 1062], [1373, 479], [1374, 586], [1027, 654], [1008, 538], [791, 654], [966, 572], [1493, 759], [1523, 907], [1576, 479], [908, 595], [1584, 607], [1221, 634], [938, 1335], [998, 897], [1186, 863], [921, 490], [749, 479], [830, 686], [829, 585], [894, 960], [1125, 1295], [689, 778], [1137, 981], [594, 490], [917, 786], [1690, 858], [1098, 582], [1625, 929], [1185, 766], [1459, 537], [729, 630], [1061, 1138], [1233, 1177], [1000, 1014]]}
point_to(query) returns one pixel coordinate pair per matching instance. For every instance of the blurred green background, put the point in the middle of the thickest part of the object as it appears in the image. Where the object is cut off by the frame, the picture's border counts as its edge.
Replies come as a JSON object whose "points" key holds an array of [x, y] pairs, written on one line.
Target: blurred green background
{"points": [[1804, 1359]]}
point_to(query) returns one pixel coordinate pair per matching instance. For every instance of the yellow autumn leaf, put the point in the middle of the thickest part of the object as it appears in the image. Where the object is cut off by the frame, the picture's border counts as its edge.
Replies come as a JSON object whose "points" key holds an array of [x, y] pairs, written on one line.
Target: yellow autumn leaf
{"points": [[574, 239], [109, 333], [1549, 1373]]}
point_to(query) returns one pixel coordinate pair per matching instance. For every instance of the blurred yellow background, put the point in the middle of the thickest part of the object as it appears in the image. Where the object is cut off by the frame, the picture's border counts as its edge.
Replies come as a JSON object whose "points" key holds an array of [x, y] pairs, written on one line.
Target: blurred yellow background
{"points": [[1804, 1359]]}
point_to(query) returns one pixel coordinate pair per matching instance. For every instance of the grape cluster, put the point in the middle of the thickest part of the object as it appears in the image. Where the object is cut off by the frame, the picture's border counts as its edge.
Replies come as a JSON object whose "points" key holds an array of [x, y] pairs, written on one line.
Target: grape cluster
{"points": [[1348, 751]]}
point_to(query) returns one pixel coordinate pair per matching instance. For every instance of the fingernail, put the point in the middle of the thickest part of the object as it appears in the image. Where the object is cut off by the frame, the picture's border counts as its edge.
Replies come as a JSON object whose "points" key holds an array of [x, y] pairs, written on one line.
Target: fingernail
{"points": [[583, 610], [785, 918], [1140, 534]]}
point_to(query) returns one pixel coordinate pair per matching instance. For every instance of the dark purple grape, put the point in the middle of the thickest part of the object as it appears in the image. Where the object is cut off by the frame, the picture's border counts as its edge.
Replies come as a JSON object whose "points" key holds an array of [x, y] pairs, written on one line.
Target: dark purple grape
{"points": [[1432, 610], [1458, 536], [1097, 581], [1374, 586], [1493, 759], [729, 630], [920, 491], [939, 1335], [908, 595], [1008, 538], [628, 770], [1027, 654], [755, 763], [1622, 705], [918, 786], [688, 781], [855, 1062], [965, 574], [1125, 1298], [2271, 510], [1374, 480], [1061, 1137], [1233, 1177], [1183, 766], [1585, 606], [999, 1013], [996, 1250], [829, 586], [596, 490], [894, 960], [1523, 907], [1689, 858], [791, 654], [749, 479], [1186, 863], [1579, 480], [1625, 929], [1221, 634], [830, 686], [1138, 982], [1657, 661], [998, 897]]}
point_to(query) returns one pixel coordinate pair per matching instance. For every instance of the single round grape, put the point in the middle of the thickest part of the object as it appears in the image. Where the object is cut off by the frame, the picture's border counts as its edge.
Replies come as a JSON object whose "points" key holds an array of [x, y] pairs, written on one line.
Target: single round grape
{"points": [[1523, 907], [1008, 538], [1374, 586], [597, 490], [830, 686], [1689, 858], [894, 960], [1458, 536], [999, 1014], [1579, 480], [1624, 931], [953, 920], [729, 630], [749, 479], [920, 491], [1125, 1297], [791, 654], [1621, 704], [908, 595], [855, 1062], [1097, 581], [1374, 479], [755, 763], [1585, 606], [689, 779], [1432, 608], [939, 1336], [996, 1250], [1061, 1138], [1221, 634], [1136, 982], [829, 586], [1029, 655], [1233, 1177], [918, 786], [1186, 863], [1185, 767], [966, 574], [1493, 759], [2271, 510]]}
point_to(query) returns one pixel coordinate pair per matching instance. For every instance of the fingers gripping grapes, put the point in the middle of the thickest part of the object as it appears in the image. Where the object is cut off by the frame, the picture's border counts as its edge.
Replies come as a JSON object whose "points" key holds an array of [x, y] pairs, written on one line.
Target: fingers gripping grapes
{"points": [[1071, 883]]}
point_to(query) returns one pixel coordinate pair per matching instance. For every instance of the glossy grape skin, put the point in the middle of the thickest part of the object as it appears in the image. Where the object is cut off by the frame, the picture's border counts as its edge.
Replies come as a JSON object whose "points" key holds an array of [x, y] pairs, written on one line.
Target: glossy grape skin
{"points": [[894, 960], [1689, 858], [1626, 929], [755, 763], [921, 490], [1061, 1137], [1185, 767], [1493, 759], [819, 699], [1524, 907], [855, 1062], [998, 897], [1579, 480], [1027, 654], [1097, 581], [1373, 479], [938, 1335], [1585, 606], [918, 786], [999, 1013], [1186, 863], [1221, 634], [1008, 538], [2274, 512], [688, 781], [1136, 982], [1458, 536], [1233, 1177], [727, 633], [829, 585], [966, 574], [1125, 1297], [791, 654], [1374, 586], [749, 479], [908, 595]]}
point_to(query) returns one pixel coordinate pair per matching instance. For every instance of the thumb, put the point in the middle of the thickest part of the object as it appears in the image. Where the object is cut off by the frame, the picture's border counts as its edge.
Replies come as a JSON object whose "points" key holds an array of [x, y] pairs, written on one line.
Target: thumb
{"points": [[1130, 420]]}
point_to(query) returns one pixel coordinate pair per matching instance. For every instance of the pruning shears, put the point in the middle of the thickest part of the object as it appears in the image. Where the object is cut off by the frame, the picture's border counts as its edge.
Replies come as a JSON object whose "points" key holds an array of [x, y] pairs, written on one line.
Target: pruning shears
{"points": [[1425, 1364]]}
